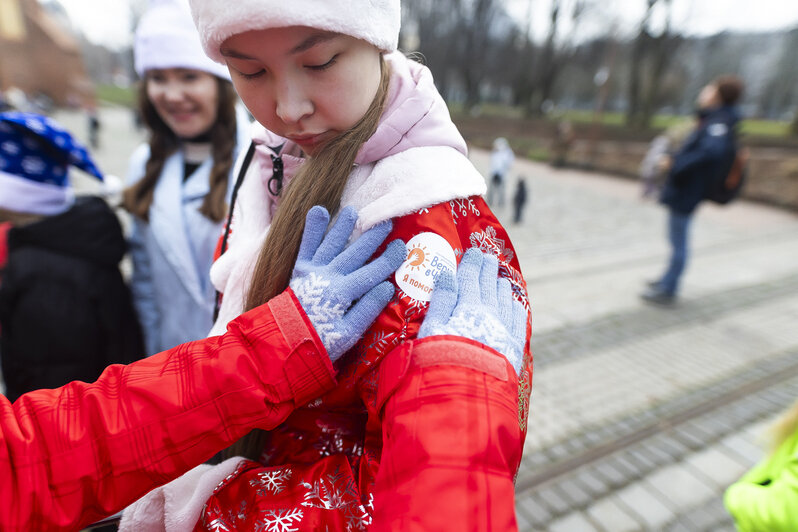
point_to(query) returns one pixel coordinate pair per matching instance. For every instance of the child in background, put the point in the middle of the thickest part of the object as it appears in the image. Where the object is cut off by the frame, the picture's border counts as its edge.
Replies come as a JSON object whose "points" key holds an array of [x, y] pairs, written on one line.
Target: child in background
{"points": [[519, 200], [65, 312], [501, 159]]}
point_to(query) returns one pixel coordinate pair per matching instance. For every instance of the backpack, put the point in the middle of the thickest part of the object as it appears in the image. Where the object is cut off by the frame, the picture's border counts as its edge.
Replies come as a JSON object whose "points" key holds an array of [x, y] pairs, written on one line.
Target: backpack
{"points": [[728, 185]]}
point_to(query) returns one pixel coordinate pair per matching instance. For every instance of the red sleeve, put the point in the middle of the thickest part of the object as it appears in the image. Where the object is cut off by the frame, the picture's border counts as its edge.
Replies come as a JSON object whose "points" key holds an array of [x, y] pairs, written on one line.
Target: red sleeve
{"points": [[463, 224], [76, 454], [451, 438]]}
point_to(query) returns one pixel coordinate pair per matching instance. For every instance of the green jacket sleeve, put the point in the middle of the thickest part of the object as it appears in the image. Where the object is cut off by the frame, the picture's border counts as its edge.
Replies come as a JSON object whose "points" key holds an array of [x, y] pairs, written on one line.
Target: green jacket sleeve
{"points": [[766, 498]]}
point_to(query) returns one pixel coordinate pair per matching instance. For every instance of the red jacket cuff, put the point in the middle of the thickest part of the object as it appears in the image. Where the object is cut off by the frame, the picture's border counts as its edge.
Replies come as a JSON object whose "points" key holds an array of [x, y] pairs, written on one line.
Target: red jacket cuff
{"points": [[308, 369], [440, 350]]}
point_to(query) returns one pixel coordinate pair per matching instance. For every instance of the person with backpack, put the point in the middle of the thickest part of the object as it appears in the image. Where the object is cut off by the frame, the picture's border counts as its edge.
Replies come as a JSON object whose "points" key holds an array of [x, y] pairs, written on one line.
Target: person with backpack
{"points": [[706, 159]]}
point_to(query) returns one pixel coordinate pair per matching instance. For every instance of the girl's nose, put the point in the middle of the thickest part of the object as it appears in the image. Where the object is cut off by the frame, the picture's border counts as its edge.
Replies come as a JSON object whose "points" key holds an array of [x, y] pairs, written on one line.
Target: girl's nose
{"points": [[292, 104], [173, 92]]}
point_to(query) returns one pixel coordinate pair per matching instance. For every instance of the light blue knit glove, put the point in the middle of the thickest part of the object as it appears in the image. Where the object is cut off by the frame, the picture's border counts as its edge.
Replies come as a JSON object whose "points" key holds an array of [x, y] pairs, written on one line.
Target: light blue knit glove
{"points": [[328, 279], [478, 306]]}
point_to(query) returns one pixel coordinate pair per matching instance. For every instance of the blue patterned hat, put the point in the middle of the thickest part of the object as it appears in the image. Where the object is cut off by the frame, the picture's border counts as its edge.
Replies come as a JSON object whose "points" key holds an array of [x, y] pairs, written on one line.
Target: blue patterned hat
{"points": [[35, 155]]}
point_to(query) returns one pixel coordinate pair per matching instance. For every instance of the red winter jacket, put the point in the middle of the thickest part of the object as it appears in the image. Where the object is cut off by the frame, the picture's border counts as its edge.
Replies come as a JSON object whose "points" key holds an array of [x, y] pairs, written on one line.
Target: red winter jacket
{"points": [[418, 434], [76, 454]]}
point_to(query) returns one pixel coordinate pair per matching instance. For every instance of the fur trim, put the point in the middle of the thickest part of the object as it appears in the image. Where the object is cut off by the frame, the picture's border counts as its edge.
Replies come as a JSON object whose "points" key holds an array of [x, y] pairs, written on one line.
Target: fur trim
{"points": [[32, 197], [178, 505], [409, 181], [166, 38], [374, 21], [395, 186]]}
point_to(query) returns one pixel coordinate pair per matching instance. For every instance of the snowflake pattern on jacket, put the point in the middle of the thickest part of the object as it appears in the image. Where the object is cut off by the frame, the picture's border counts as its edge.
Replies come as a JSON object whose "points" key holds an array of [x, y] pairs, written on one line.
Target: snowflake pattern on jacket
{"points": [[318, 469]]}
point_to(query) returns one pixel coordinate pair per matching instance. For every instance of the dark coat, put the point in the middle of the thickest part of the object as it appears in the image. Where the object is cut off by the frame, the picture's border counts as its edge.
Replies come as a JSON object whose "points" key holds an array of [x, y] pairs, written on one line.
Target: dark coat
{"points": [[705, 157], [65, 311]]}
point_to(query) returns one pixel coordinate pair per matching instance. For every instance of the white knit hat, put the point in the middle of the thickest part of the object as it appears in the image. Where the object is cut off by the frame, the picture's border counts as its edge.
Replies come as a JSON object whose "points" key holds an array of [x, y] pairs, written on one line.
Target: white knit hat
{"points": [[166, 38], [374, 21]]}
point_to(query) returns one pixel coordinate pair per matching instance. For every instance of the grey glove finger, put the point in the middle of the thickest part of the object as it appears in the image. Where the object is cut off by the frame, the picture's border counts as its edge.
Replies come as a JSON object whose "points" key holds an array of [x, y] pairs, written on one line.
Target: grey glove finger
{"points": [[519, 323], [487, 281], [505, 300], [316, 221], [363, 279], [468, 277], [361, 249], [337, 236], [360, 317], [441, 306]]}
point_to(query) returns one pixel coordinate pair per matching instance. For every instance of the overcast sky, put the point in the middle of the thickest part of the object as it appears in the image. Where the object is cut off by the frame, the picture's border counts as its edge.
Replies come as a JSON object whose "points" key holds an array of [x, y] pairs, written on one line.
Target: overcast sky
{"points": [[110, 23], [694, 17]]}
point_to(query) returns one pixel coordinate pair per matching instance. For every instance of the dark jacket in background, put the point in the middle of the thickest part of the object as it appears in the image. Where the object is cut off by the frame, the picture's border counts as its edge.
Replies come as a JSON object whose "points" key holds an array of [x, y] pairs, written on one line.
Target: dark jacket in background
{"points": [[706, 156], [65, 311]]}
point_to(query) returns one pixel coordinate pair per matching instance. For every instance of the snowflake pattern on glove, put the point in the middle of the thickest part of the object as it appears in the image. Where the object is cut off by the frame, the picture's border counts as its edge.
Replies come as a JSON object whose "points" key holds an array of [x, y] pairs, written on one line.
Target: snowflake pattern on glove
{"points": [[323, 313]]}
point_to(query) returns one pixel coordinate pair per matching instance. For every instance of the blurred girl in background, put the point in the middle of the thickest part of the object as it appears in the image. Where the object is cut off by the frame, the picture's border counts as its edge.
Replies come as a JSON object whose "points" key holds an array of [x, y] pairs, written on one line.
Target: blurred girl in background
{"points": [[180, 180]]}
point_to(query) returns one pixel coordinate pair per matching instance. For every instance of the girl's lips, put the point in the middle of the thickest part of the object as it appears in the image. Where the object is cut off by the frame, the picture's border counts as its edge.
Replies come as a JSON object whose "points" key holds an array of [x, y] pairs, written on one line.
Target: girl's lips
{"points": [[181, 116], [307, 140]]}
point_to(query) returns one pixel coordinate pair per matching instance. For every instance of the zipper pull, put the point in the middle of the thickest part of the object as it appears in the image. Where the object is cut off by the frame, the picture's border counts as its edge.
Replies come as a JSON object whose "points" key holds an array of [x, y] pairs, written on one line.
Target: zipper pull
{"points": [[275, 183]]}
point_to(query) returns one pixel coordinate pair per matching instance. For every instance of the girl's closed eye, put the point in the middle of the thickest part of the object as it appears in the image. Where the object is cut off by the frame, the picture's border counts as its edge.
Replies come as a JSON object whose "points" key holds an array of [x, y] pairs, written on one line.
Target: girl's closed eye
{"points": [[324, 66], [253, 75]]}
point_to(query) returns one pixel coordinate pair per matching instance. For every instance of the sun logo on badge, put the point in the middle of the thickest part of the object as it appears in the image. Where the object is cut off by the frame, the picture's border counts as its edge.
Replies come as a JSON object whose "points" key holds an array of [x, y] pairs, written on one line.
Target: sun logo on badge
{"points": [[417, 258]]}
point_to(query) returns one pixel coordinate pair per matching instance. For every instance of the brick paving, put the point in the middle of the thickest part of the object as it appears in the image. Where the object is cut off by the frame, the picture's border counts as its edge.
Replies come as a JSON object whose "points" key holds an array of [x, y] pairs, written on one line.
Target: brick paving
{"points": [[641, 416]]}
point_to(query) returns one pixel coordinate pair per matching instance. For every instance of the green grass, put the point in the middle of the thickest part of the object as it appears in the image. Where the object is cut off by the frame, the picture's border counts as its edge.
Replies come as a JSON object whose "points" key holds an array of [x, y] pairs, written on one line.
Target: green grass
{"points": [[766, 128], [116, 95], [752, 127]]}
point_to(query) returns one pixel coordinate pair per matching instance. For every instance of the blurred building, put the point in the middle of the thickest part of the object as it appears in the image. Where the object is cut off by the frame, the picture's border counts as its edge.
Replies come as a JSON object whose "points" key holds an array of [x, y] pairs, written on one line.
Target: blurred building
{"points": [[39, 54]]}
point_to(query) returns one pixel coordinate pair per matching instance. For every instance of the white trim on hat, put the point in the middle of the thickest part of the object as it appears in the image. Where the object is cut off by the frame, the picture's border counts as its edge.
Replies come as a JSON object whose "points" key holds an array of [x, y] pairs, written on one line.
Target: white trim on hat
{"points": [[23, 195], [374, 21], [166, 38]]}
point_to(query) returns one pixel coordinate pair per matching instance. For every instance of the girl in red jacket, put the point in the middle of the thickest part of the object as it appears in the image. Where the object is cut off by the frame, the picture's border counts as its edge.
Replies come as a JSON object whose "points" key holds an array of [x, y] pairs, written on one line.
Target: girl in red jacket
{"points": [[409, 438]]}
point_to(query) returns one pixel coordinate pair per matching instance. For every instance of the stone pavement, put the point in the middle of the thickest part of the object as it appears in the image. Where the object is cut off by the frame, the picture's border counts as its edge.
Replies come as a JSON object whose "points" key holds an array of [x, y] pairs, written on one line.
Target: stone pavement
{"points": [[640, 415]]}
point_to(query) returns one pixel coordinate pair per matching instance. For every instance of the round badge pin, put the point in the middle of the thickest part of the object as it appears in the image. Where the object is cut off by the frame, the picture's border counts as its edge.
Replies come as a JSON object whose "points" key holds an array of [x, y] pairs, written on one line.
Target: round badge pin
{"points": [[428, 255]]}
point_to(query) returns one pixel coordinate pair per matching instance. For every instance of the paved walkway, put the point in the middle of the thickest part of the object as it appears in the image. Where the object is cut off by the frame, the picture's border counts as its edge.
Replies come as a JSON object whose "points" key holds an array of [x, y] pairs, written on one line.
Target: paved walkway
{"points": [[640, 415]]}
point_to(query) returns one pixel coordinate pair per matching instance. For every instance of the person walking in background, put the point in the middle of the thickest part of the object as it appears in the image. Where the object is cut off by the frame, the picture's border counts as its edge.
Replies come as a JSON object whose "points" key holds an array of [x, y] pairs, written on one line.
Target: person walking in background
{"points": [[766, 497], [179, 183], [65, 312], [94, 125], [519, 200], [706, 154], [501, 159]]}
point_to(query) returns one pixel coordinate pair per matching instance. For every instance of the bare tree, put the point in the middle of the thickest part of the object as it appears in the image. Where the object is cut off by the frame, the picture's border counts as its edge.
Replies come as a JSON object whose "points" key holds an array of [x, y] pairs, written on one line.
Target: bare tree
{"points": [[650, 58], [555, 53], [476, 20]]}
